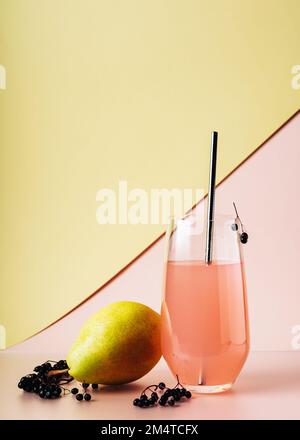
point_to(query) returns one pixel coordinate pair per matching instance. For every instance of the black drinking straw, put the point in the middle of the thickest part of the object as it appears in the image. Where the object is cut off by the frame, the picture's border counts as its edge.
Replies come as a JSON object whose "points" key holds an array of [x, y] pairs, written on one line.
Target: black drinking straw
{"points": [[211, 197]]}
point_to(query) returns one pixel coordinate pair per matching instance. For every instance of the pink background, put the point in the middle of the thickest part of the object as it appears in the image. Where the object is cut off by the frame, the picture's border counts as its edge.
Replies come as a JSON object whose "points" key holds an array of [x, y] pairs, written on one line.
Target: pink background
{"points": [[266, 190]]}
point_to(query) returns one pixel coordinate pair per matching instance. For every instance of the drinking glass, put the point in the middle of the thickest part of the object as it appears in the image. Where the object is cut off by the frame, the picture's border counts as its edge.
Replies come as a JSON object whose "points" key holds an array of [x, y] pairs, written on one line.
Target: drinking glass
{"points": [[205, 332]]}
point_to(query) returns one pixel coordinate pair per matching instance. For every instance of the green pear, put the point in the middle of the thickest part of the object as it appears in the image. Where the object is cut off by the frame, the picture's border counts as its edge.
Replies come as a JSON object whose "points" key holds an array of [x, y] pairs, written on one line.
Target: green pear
{"points": [[117, 345]]}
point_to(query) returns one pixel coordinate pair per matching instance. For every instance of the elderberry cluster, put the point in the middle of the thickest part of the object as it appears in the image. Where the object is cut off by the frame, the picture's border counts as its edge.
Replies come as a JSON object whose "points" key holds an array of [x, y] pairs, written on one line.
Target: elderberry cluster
{"points": [[84, 395], [243, 234], [169, 397], [45, 384]]}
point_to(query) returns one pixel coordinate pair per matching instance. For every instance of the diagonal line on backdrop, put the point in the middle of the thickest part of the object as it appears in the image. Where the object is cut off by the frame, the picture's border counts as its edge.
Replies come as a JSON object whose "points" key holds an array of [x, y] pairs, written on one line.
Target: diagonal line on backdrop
{"points": [[162, 235]]}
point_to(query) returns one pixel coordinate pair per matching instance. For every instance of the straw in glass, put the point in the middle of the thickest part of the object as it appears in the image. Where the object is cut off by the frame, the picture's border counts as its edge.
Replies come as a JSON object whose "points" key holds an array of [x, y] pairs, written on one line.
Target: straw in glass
{"points": [[211, 197]]}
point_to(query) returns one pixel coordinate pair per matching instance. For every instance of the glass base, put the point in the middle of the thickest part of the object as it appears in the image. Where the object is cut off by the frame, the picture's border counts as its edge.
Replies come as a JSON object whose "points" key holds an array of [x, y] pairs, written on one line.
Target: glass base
{"points": [[209, 389]]}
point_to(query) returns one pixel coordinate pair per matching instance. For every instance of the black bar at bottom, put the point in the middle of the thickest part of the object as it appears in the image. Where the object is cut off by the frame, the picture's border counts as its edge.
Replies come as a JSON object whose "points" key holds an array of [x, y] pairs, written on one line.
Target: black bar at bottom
{"points": [[126, 429]]}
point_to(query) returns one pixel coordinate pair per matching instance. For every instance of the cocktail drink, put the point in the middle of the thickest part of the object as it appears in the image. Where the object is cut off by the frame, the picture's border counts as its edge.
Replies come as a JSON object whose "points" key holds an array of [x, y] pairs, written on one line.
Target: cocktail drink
{"points": [[205, 336]]}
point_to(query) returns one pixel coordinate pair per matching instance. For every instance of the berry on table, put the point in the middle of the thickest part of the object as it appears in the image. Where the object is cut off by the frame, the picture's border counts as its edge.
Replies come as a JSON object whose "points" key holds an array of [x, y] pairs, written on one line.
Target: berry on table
{"points": [[74, 390], [79, 397], [28, 387], [170, 395], [152, 401], [56, 393], [168, 392], [94, 386], [87, 397], [162, 401], [171, 402], [44, 384], [154, 396], [136, 402]]}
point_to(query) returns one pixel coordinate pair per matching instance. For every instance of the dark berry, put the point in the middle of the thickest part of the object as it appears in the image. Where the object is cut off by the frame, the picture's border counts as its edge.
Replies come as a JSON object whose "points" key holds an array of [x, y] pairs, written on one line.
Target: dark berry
{"points": [[154, 396], [244, 237], [20, 385], [56, 393], [168, 392], [136, 402], [183, 391], [141, 403], [48, 395], [162, 401], [95, 386], [161, 386], [143, 397], [79, 396], [60, 364], [87, 397], [85, 385], [37, 368], [28, 388], [74, 390], [152, 400], [234, 227], [188, 394], [171, 402], [42, 394]]}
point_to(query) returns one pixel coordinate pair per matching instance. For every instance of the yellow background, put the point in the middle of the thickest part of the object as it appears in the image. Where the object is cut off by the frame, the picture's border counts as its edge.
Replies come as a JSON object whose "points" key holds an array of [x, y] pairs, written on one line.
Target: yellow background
{"points": [[99, 91]]}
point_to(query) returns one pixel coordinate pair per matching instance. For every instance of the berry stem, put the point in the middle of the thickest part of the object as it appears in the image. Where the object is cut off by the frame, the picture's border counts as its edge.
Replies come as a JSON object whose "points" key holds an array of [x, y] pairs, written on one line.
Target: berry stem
{"points": [[238, 217], [149, 388], [66, 390], [178, 382]]}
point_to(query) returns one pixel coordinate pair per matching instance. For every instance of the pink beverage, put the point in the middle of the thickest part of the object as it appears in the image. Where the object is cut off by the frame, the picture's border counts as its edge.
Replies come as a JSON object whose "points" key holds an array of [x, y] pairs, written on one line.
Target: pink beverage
{"points": [[205, 337]]}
